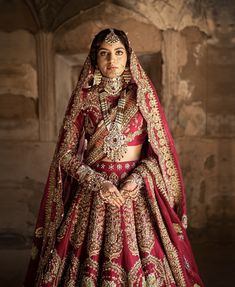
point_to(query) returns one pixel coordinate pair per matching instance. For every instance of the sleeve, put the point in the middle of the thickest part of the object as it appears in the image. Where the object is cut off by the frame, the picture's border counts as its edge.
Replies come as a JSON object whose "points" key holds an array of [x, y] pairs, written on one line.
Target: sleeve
{"points": [[71, 153]]}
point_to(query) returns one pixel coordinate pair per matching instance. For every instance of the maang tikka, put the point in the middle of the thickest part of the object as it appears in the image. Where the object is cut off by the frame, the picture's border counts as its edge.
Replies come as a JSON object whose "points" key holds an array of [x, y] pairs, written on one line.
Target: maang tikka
{"points": [[111, 38]]}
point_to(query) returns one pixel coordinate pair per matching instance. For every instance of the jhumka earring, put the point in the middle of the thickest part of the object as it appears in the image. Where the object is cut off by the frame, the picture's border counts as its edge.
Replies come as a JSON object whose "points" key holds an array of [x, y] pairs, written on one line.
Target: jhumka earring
{"points": [[127, 75], [97, 77]]}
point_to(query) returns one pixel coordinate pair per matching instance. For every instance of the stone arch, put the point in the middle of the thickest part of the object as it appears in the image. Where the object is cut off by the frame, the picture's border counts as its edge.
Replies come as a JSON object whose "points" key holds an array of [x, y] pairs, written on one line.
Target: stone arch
{"points": [[102, 16], [72, 40], [17, 15]]}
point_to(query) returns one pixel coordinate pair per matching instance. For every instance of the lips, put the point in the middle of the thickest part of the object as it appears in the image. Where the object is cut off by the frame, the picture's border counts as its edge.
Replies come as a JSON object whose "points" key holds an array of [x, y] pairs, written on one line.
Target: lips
{"points": [[112, 68]]}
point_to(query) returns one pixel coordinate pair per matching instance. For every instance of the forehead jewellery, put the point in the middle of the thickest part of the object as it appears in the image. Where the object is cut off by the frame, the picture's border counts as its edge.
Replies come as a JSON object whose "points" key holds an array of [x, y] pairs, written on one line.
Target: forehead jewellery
{"points": [[111, 38]]}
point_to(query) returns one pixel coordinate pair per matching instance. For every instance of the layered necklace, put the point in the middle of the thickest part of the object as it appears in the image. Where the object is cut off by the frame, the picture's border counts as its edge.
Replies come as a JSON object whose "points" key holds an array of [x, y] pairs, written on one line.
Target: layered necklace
{"points": [[115, 145]]}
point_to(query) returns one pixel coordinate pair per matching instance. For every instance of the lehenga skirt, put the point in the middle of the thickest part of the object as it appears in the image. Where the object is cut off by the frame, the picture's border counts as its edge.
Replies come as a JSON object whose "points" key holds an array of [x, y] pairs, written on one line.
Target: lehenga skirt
{"points": [[101, 245]]}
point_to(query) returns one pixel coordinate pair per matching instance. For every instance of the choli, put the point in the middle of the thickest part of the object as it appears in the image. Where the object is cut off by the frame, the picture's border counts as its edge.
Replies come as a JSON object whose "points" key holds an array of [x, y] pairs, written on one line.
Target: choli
{"points": [[135, 131]]}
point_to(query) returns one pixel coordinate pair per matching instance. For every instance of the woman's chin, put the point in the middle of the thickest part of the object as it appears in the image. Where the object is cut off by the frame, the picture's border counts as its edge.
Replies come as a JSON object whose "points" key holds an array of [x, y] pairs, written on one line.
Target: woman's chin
{"points": [[112, 75]]}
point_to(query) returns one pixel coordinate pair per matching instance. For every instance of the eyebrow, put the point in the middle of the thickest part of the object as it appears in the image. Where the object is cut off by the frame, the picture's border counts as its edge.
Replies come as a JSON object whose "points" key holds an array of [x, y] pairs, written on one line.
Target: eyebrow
{"points": [[114, 49]]}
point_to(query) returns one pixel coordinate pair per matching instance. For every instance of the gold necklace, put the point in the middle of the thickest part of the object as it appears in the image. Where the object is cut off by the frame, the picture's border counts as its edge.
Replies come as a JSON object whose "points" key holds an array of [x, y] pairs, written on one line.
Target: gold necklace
{"points": [[115, 145], [112, 86]]}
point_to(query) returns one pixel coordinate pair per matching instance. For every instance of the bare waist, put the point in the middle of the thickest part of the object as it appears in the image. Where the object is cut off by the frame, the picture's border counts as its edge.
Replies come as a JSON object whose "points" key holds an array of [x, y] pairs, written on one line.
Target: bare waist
{"points": [[133, 153]]}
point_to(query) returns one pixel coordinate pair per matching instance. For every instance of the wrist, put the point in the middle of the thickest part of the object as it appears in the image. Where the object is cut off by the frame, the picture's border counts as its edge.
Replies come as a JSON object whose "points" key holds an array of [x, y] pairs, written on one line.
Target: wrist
{"points": [[90, 178], [137, 179]]}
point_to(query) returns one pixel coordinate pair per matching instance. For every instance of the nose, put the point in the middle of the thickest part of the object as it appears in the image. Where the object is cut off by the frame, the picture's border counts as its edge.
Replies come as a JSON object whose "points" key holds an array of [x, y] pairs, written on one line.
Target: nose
{"points": [[111, 58]]}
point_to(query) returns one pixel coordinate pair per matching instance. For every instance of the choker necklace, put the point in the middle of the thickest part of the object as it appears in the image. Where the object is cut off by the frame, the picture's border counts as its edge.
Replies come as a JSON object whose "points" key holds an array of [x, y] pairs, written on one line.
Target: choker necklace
{"points": [[112, 86], [115, 145]]}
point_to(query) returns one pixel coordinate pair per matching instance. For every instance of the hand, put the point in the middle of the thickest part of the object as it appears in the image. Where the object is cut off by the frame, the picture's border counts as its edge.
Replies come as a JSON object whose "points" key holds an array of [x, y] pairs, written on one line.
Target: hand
{"points": [[129, 188], [110, 194]]}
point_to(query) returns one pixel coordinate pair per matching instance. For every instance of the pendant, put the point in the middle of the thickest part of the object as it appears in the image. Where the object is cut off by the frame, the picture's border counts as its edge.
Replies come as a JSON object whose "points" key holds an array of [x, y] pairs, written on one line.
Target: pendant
{"points": [[112, 86], [115, 146]]}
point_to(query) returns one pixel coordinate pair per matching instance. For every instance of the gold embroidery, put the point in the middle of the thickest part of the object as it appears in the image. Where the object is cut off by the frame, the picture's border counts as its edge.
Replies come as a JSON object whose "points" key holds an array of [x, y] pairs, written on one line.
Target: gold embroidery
{"points": [[113, 232], [88, 282], [108, 284], [160, 272], [171, 251], [156, 132], [55, 268], [72, 272], [144, 228], [34, 252], [96, 227], [113, 272], [130, 227], [81, 219], [153, 166], [177, 228], [113, 177], [39, 232]]}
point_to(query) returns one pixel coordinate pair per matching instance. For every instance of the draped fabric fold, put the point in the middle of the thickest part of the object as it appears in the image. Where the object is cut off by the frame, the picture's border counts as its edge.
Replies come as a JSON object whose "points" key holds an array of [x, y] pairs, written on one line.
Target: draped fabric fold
{"points": [[79, 240]]}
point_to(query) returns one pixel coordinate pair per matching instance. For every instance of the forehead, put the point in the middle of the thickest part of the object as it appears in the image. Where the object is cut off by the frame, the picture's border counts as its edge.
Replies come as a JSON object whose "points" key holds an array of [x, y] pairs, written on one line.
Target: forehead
{"points": [[111, 47]]}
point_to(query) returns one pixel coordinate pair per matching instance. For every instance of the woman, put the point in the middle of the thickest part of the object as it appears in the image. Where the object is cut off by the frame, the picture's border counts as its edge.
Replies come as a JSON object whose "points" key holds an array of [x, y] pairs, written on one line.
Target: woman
{"points": [[113, 212]]}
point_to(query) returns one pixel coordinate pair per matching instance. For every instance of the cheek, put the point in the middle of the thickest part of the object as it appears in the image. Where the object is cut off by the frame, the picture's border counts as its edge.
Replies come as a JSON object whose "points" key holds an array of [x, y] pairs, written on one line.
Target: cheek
{"points": [[124, 60], [100, 63]]}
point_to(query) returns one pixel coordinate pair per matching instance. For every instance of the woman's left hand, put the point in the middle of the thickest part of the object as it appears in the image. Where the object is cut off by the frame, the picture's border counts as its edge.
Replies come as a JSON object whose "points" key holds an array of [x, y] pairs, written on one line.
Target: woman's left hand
{"points": [[129, 189]]}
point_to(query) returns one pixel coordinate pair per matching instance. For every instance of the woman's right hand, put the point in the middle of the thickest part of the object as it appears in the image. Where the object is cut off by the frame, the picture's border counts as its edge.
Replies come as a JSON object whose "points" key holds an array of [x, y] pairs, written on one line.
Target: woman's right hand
{"points": [[110, 194]]}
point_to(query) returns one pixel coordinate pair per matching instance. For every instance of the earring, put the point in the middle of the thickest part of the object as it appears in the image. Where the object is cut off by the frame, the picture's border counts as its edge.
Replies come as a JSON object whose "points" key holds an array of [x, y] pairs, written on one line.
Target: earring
{"points": [[97, 77], [127, 75]]}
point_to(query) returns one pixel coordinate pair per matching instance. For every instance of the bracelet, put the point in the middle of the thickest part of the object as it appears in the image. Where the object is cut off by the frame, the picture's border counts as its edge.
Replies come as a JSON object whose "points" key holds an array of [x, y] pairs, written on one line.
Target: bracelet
{"points": [[137, 178], [90, 178], [83, 171]]}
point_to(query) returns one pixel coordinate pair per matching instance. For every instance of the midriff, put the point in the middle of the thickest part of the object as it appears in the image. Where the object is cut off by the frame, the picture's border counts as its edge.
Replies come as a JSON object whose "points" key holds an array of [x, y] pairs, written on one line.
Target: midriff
{"points": [[133, 153]]}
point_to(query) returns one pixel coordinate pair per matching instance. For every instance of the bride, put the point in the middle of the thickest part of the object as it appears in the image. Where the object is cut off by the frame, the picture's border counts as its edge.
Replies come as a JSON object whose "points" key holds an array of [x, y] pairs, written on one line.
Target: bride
{"points": [[113, 211]]}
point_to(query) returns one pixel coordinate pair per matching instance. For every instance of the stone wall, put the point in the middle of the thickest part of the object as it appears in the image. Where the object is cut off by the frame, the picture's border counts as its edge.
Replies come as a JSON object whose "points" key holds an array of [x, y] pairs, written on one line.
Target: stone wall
{"points": [[193, 51]]}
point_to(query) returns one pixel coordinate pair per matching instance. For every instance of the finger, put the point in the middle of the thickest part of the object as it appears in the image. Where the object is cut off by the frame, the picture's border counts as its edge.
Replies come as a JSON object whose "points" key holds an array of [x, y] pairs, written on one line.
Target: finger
{"points": [[134, 192], [117, 200], [114, 202], [118, 196]]}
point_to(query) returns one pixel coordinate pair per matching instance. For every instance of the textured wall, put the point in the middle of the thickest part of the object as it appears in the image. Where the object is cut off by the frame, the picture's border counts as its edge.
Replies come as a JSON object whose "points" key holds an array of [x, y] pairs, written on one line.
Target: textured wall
{"points": [[40, 56]]}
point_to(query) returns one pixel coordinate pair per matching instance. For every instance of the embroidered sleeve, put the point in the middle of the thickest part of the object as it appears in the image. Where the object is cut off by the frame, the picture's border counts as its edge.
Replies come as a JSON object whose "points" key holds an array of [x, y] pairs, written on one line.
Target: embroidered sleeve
{"points": [[72, 146], [71, 155]]}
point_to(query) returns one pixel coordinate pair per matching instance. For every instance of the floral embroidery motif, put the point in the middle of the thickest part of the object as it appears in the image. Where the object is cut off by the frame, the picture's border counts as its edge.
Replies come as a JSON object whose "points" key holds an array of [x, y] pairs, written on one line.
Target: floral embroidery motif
{"points": [[145, 235], [54, 269], [96, 228], [39, 232], [130, 227], [113, 232]]}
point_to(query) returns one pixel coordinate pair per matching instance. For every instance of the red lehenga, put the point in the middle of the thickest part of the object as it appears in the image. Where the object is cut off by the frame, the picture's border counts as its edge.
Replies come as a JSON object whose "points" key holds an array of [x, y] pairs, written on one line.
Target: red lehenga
{"points": [[81, 241]]}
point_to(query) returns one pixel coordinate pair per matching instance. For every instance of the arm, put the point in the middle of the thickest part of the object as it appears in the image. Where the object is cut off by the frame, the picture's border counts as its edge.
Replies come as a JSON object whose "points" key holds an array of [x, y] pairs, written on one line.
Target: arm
{"points": [[70, 161]]}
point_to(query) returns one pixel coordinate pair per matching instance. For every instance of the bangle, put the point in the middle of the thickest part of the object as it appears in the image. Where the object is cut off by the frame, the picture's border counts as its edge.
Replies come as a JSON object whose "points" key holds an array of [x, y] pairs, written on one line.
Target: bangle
{"points": [[83, 171], [137, 178], [90, 178]]}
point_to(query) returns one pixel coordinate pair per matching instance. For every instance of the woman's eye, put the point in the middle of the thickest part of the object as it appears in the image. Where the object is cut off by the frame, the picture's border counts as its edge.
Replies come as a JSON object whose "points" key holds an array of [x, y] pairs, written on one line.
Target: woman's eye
{"points": [[103, 53], [119, 52]]}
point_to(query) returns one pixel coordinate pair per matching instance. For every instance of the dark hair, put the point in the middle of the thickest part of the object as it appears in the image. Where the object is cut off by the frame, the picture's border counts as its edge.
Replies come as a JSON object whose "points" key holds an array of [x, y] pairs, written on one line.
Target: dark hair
{"points": [[100, 37]]}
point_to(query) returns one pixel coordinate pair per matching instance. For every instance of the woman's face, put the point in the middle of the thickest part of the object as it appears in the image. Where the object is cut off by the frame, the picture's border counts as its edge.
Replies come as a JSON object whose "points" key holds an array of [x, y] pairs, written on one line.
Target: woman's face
{"points": [[111, 59]]}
